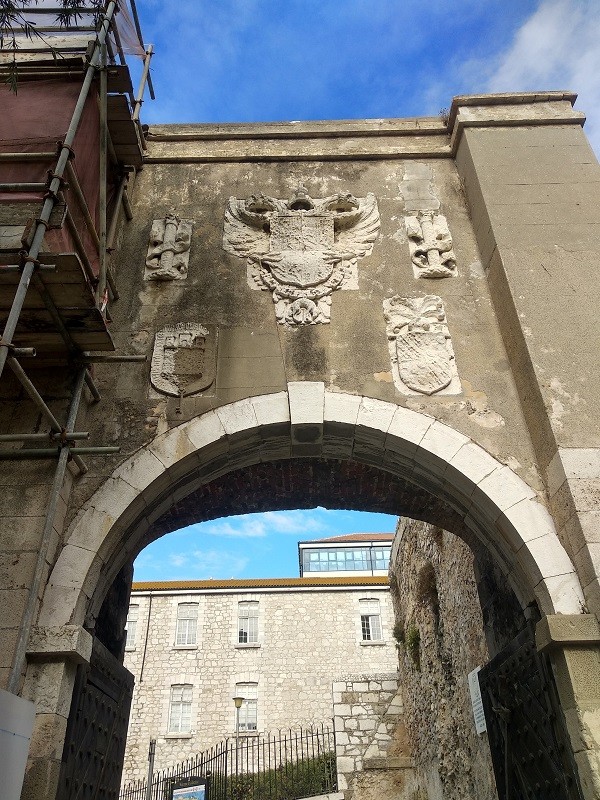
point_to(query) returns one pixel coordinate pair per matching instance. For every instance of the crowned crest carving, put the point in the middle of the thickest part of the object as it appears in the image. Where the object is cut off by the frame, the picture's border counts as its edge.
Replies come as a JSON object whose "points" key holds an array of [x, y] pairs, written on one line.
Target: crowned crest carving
{"points": [[420, 346], [430, 243], [184, 359], [301, 249], [169, 249]]}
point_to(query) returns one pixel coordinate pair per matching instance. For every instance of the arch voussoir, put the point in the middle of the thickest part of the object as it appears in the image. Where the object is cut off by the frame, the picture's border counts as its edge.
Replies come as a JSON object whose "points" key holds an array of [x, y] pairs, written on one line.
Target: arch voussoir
{"points": [[501, 510]]}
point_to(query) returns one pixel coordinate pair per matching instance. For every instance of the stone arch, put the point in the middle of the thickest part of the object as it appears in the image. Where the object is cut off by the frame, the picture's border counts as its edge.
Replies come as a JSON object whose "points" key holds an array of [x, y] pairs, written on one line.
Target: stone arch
{"points": [[496, 505]]}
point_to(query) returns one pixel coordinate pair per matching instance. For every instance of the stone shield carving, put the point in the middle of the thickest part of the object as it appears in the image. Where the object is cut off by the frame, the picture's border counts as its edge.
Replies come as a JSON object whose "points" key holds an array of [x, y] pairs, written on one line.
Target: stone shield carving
{"points": [[169, 249], [430, 244], [184, 359], [301, 249], [420, 347]]}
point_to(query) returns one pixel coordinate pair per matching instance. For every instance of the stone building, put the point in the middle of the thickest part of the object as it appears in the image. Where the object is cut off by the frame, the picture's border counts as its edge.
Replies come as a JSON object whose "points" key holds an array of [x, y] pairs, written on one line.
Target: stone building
{"points": [[200, 320], [280, 643]]}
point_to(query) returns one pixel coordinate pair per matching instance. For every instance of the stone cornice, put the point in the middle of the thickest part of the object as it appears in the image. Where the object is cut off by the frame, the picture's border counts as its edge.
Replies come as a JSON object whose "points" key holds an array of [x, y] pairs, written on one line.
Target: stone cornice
{"points": [[511, 110]]}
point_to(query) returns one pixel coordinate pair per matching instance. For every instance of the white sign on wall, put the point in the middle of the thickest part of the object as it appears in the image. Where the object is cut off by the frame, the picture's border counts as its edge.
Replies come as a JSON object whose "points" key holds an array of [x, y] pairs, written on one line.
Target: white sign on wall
{"points": [[476, 701], [16, 726]]}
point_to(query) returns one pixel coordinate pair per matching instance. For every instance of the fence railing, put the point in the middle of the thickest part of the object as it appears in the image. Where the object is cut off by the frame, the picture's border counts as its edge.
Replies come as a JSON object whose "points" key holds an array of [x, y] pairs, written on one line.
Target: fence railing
{"points": [[285, 765]]}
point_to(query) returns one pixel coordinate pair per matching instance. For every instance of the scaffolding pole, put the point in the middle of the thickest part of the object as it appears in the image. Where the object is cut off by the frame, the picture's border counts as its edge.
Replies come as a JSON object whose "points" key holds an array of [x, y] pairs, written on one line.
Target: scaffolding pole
{"points": [[18, 663], [42, 223]]}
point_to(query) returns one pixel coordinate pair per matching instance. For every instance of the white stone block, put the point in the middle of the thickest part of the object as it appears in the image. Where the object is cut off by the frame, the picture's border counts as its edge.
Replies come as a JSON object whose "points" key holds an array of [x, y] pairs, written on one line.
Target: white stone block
{"points": [[406, 429], [375, 415], [237, 417], [545, 558], [141, 469], [525, 521], [442, 441], [580, 462], [205, 430], [504, 488], [114, 496], [560, 594], [342, 408], [473, 464], [271, 408], [307, 402]]}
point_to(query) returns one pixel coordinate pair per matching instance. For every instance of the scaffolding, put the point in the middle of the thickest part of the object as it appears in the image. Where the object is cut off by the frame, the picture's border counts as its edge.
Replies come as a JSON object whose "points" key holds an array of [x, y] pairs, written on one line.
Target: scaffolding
{"points": [[59, 219]]}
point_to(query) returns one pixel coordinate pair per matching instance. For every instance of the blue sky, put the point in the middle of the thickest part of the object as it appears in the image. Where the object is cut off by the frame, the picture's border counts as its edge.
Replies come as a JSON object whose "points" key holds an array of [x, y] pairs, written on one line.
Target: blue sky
{"points": [[249, 545], [259, 60]]}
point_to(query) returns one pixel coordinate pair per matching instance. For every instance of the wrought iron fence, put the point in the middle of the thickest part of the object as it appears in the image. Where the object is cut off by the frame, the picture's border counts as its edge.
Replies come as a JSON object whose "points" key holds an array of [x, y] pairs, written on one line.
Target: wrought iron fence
{"points": [[285, 765]]}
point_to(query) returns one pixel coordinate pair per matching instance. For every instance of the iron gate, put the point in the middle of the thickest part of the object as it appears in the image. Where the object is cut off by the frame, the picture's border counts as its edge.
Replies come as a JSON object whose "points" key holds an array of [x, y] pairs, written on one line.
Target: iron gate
{"points": [[97, 729], [529, 743]]}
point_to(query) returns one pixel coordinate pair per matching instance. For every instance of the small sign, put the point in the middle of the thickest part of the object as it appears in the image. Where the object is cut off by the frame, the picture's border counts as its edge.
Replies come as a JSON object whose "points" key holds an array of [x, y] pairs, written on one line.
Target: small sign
{"points": [[476, 701], [189, 789]]}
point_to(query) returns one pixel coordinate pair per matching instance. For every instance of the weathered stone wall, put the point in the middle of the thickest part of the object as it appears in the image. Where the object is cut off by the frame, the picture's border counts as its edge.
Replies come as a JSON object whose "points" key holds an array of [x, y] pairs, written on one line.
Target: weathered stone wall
{"points": [[439, 628], [306, 640], [373, 757]]}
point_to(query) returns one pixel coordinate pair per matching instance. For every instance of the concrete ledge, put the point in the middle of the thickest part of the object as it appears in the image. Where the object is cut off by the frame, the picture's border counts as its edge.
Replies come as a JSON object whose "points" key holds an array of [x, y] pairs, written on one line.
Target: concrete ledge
{"points": [[68, 642], [569, 629], [331, 796], [390, 762]]}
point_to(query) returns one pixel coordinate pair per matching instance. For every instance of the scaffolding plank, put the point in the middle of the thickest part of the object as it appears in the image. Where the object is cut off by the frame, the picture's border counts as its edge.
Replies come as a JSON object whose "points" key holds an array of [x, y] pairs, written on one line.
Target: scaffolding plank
{"points": [[119, 79], [73, 296]]}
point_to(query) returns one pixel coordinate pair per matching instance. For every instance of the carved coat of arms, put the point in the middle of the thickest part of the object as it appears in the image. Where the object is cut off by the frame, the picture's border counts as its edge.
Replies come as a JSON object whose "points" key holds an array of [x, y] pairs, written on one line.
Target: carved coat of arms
{"points": [[430, 243], [420, 346], [184, 359], [301, 249], [169, 249]]}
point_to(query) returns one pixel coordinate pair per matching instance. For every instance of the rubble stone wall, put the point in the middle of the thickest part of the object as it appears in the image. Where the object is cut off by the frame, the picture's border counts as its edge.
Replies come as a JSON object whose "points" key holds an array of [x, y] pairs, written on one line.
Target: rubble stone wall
{"points": [[439, 630]]}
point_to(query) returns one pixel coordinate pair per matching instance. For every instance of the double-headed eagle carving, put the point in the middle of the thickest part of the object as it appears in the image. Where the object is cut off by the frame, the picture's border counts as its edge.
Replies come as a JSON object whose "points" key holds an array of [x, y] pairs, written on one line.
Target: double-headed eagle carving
{"points": [[301, 249]]}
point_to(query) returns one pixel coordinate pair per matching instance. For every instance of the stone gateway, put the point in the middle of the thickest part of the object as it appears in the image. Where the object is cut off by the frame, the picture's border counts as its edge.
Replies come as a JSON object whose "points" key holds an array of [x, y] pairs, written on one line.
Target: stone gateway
{"points": [[284, 336]]}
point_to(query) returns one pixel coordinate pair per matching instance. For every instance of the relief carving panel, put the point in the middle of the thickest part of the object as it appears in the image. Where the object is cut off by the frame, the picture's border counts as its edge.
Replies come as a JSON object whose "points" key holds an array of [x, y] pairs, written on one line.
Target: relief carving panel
{"points": [[169, 249], [420, 346], [430, 243], [184, 359], [301, 249]]}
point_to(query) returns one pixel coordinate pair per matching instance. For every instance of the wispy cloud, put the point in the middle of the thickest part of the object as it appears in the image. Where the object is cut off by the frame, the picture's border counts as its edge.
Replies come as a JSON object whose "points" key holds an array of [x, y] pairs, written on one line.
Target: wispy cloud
{"points": [[269, 523], [556, 48], [203, 564]]}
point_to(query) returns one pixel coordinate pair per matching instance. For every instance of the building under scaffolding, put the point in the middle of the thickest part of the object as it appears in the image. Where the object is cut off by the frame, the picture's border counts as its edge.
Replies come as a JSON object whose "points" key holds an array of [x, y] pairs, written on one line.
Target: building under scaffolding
{"points": [[71, 142]]}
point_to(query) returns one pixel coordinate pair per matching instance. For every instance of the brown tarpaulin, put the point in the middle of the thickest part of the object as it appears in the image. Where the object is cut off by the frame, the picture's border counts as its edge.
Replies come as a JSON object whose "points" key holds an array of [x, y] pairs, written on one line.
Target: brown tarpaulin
{"points": [[35, 120]]}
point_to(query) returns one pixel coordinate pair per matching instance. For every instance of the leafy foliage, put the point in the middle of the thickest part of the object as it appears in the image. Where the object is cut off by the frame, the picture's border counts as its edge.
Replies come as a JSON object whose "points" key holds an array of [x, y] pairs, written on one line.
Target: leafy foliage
{"points": [[14, 23], [291, 780]]}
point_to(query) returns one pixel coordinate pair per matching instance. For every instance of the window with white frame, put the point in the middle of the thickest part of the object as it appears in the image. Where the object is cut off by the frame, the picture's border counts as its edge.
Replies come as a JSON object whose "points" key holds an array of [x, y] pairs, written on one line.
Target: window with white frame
{"points": [[187, 623], [130, 626], [370, 620], [248, 710], [180, 708], [248, 622]]}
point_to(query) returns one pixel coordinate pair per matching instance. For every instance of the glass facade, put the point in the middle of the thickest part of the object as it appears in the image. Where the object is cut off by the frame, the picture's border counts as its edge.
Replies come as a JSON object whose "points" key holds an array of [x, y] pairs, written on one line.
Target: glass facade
{"points": [[345, 559]]}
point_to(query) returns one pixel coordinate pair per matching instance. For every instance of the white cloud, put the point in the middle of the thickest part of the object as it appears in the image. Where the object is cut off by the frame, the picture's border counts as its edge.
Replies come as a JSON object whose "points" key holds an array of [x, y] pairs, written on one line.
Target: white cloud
{"points": [[556, 48], [204, 564], [240, 528]]}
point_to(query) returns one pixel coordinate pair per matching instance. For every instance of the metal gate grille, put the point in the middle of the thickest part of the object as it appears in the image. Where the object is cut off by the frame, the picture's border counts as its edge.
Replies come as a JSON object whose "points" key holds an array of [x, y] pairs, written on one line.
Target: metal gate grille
{"points": [[529, 743], [97, 729]]}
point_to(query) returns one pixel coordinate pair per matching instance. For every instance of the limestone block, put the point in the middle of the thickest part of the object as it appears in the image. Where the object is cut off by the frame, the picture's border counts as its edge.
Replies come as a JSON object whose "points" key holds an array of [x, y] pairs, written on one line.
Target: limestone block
{"points": [[374, 418], [503, 488], [406, 430], [205, 430], [560, 594], [70, 642], [442, 442], [272, 408], [525, 521], [567, 629], [172, 446], [468, 466], [237, 417], [341, 408], [307, 405]]}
